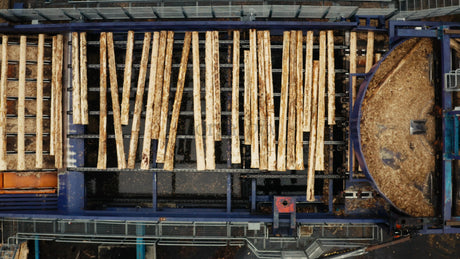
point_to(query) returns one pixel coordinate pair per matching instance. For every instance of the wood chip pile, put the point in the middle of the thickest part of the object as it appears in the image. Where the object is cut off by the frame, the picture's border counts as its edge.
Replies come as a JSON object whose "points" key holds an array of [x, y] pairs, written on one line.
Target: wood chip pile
{"points": [[400, 163]]}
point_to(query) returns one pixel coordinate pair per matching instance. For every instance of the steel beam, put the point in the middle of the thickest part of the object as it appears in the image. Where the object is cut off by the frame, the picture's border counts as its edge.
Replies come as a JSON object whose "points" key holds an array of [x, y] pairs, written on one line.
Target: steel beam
{"points": [[447, 131], [229, 193], [73, 181], [188, 25], [253, 194], [154, 191], [196, 216]]}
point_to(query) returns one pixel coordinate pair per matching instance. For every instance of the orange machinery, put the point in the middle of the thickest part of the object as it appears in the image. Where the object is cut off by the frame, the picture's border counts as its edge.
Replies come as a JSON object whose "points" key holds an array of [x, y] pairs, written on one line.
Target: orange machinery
{"points": [[28, 182]]}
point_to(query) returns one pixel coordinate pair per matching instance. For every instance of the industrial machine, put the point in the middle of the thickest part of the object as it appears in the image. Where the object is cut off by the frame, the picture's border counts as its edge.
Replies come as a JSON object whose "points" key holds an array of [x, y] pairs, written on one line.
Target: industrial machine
{"points": [[390, 155]]}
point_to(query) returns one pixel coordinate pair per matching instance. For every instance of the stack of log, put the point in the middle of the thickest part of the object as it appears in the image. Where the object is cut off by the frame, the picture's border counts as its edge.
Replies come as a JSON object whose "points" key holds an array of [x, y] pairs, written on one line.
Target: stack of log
{"points": [[371, 59], [56, 137], [157, 108], [212, 98], [302, 105], [79, 79], [23, 107], [259, 107]]}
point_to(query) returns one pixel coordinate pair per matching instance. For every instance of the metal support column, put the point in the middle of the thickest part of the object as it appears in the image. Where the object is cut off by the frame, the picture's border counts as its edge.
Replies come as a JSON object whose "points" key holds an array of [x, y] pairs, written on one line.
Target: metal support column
{"points": [[140, 246], [330, 195], [154, 191], [253, 194], [447, 130], [229, 193], [74, 182], [37, 248], [285, 205]]}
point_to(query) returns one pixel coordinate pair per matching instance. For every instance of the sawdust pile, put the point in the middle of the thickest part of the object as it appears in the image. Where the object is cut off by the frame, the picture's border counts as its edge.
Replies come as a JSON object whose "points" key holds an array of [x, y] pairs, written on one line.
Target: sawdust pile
{"points": [[399, 162]]}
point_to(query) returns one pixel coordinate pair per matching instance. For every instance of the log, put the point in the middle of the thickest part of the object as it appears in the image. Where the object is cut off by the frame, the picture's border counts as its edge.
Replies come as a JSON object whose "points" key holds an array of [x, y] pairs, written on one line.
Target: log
{"points": [[270, 103], [58, 154], [353, 56], [169, 159], [453, 45], [102, 152], [83, 80], [3, 107], [76, 98], [254, 95], [216, 77], [299, 164], [200, 156], [145, 162], [115, 102], [377, 58], [263, 134], [247, 99], [330, 79], [21, 163], [53, 98], [39, 111], [281, 161], [312, 142], [165, 99], [236, 156], [319, 154], [353, 47], [210, 156], [159, 85], [291, 135], [22, 251], [127, 79], [369, 50], [139, 101], [308, 82]]}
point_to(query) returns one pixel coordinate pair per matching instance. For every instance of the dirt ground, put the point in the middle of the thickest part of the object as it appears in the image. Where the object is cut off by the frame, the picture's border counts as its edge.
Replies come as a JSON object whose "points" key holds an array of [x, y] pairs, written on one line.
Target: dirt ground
{"points": [[426, 246], [399, 162]]}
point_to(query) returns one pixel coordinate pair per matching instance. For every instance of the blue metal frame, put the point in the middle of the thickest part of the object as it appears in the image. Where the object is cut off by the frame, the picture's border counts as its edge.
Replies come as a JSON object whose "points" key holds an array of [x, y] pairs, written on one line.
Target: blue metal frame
{"points": [[380, 25], [71, 183], [447, 131], [179, 26], [72, 187], [74, 192], [400, 31], [28, 201]]}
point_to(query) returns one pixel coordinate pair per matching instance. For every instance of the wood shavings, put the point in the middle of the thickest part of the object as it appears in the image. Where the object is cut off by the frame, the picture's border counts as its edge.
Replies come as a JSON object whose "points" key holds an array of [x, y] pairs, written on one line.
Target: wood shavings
{"points": [[400, 162]]}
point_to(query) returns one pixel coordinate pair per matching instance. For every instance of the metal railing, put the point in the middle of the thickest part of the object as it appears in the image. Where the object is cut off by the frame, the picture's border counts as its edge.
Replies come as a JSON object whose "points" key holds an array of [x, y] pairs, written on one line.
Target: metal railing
{"points": [[419, 9], [452, 80], [255, 235]]}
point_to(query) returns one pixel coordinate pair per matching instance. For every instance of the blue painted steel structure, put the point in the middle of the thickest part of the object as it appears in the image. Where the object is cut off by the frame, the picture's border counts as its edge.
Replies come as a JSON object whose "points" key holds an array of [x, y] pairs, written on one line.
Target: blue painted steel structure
{"points": [[71, 195], [400, 31], [140, 246], [37, 248], [74, 206], [12, 202]]}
